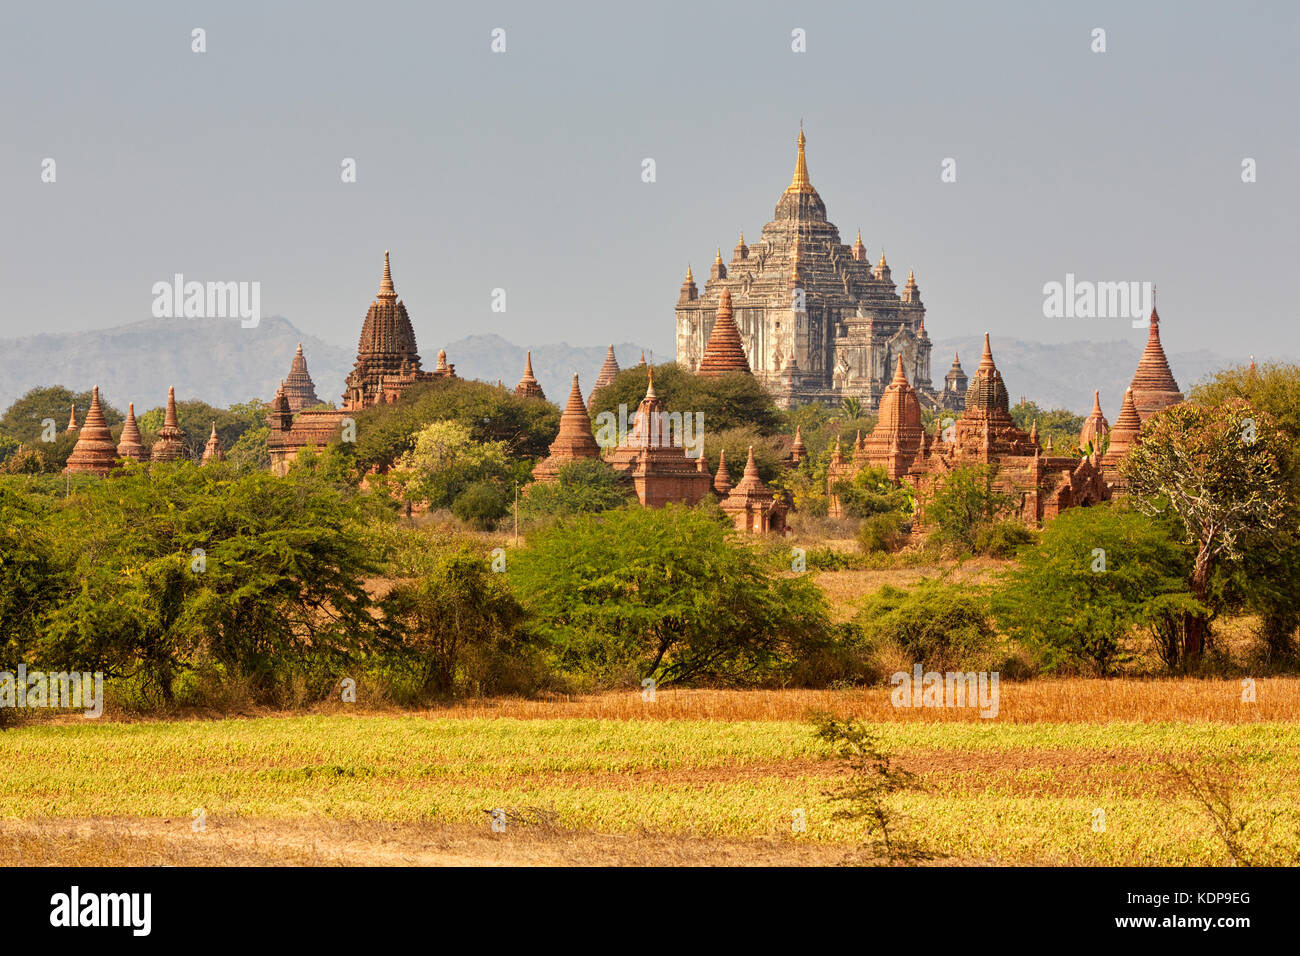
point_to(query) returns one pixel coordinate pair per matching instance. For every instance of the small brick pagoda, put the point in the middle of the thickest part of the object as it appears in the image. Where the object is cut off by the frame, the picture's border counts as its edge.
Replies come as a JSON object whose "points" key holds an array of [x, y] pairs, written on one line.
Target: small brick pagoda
{"points": [[170, 443], [1153, 385], [213, 451], [298, 387], [575, 440], [751, 505], [528, 386], [94, 453], [650, 457], [130, 444]]}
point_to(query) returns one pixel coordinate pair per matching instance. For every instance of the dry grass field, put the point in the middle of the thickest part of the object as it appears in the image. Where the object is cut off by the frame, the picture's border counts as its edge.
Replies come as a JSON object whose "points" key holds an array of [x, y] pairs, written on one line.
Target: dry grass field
{"points": [[695, 777]]}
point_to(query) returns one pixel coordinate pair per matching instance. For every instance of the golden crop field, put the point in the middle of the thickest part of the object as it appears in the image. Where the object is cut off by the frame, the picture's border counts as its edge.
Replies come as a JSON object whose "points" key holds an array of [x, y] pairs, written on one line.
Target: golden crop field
{"points": [[695, 776]]}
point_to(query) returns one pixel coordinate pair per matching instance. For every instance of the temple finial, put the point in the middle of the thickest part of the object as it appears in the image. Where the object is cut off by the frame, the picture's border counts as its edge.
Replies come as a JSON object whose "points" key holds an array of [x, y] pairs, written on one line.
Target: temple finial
{"points": [[386, 289], [800, 182]]}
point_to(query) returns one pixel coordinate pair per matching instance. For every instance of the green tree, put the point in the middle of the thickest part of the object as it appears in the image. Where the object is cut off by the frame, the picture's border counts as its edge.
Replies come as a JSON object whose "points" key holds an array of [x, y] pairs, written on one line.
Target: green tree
{"points": [[965, 503], [446, 460], [23, 419], [456, 609], [585, 486], [735, 400], [1097, 574], [1221, 471], [938, 625], [1059, 424], [665, 593]]}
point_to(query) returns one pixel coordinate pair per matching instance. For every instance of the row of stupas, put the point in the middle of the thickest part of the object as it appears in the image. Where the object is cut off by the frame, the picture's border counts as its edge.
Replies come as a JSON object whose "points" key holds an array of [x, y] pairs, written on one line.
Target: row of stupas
{"points": [[1040, 483], [807, 314], [95, 452]]}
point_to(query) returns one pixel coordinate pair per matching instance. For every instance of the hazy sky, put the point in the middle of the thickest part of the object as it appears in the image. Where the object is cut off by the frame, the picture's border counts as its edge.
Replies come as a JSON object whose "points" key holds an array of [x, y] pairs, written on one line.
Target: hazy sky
{"points": [[522, 170]]}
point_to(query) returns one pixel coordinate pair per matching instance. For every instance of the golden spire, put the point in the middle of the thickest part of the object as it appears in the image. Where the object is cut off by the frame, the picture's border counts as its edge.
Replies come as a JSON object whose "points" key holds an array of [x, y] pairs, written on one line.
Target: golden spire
{"points": [[717, 257], [386, 290], [800, 183], [882, 262], [911, 279], [689, 277]]}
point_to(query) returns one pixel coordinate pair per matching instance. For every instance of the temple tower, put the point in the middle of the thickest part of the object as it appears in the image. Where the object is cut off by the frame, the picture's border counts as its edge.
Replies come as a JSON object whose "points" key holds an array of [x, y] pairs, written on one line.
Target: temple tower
{"points": [[170, 444], [94, 453]]}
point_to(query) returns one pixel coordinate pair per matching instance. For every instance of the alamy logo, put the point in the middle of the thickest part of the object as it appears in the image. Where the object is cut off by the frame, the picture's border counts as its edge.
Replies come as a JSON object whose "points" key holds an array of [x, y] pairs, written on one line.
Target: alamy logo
{"points": [[76, 691], [1083, 299], [103, 909], [952, 689], [212, 300]]}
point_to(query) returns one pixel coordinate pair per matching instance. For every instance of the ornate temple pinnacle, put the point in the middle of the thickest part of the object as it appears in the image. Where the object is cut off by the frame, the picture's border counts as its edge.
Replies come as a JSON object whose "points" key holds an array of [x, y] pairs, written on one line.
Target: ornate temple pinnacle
{"points": [[800, 183], [386, 290]]}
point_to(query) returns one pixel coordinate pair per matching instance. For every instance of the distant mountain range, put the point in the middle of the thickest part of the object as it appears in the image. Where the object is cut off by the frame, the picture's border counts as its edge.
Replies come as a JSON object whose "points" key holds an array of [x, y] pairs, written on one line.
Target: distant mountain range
{"points": [[219, 362]]}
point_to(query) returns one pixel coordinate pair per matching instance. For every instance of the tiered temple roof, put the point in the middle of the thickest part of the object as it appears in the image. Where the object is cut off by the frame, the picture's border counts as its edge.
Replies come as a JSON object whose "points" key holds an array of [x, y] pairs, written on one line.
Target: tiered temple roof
{"points": [[213, 451], [298, 386], [387, 359], [130, 444], [528, 386], [1153, 385], [575, 440], [94, 452], [170, 444], [724, 353]]}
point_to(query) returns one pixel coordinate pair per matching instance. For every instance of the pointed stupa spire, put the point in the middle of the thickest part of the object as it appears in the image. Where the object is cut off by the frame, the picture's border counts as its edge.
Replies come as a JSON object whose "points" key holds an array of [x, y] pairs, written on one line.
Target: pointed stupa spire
{"points": [[718, 270], [130, 444], [1033, 432], [751, 466], [1125, 432], [641, 363], [859, 250], [986, 358], [298, 387], [1154, 387], [170, 444], [741, 251], [798, 450], [72, 419], [722, 481], [800, 183], [724, 352], [528, 386], [650, 381], [900, 376], [1095, 427], [94, 452], [575, 439], [606, 375], [213, 451], [386, 290]]}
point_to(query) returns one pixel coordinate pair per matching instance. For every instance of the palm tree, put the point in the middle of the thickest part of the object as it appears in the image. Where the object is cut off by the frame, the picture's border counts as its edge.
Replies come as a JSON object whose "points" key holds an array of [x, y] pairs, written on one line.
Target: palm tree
{"points": [[851, 407]]}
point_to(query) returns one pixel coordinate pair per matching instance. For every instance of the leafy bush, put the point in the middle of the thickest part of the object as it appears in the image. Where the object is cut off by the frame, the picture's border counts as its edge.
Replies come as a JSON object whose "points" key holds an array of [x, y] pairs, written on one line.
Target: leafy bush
{"points": [[965, 503], [586, 486], [883, 533], [1096, 574], [1003, 539], [940, 626]]}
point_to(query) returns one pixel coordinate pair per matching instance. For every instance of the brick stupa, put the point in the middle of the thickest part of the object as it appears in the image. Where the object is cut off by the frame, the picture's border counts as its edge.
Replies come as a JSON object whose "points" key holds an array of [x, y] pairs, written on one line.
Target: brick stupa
{"points": [[724, 352], [653, 460], [213, 451], [130, 444], [1123, 436], [170, 444], [897, 437], [1153, 385], [298, 387], [722, 483], [94, 453], [751, 505], [528, 386], [1095, 427], [575, 440], [605, 376]]}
